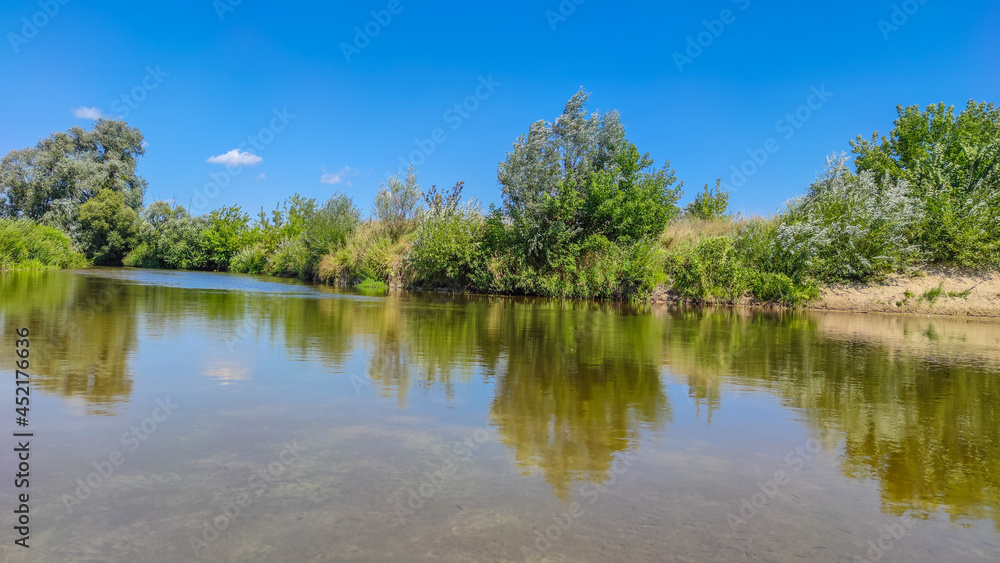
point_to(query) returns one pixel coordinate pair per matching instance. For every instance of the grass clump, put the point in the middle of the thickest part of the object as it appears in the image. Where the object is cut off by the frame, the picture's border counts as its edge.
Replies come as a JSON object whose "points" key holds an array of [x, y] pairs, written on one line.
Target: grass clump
{"points": [[26, 245]]}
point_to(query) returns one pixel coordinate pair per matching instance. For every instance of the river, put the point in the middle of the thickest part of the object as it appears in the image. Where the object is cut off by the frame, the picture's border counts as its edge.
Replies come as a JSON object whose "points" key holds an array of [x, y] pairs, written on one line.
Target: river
{"points": [[180, 416]]}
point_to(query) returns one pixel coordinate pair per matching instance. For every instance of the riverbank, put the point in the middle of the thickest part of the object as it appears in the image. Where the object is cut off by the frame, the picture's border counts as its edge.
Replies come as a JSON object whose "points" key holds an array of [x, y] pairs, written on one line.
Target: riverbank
{"points": [[934, 291]]}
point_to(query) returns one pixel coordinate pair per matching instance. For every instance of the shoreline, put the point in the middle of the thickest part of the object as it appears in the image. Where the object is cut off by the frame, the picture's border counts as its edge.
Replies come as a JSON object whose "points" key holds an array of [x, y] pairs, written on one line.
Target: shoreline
{"points": [[945, 292]]}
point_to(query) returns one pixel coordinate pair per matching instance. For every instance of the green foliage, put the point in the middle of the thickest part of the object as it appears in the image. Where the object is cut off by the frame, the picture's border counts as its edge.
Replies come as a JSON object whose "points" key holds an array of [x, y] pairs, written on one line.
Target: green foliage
{"points": [[397, 204], [770, 287], [250, 260], [933, 294], [710, 268], [851, 228], [447, 243], [289, 260], [951, 165], [709, 204], [26, 245], [578, 177], [370, 253], [109, 228], [963, 140], [328, 227], [169, 237], [50, 181], [227, 232]]}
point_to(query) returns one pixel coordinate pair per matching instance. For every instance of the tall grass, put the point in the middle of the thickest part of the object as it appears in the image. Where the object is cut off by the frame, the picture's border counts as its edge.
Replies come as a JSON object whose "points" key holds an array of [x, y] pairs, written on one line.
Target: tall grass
{"points": [[26, 245]]}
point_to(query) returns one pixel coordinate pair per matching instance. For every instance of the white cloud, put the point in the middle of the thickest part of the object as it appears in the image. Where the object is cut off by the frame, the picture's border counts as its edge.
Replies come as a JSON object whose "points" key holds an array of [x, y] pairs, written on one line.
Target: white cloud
{"points": [[262, 176], [84, 112], [236, 157], [342, 176]]}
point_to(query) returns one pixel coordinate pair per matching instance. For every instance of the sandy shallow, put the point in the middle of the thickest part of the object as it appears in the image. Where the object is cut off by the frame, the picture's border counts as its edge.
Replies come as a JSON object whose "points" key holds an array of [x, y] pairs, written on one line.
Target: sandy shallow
{"points": [[963, 293]]}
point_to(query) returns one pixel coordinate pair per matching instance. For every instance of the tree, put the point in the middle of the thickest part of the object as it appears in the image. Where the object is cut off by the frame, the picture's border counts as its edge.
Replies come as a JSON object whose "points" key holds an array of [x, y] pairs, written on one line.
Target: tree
{"points": [[397, 204], [710, 204], [923, 145], [50, 181], [579, 176], [227, 232], [169, 237], [109, 228], [951, 166]]}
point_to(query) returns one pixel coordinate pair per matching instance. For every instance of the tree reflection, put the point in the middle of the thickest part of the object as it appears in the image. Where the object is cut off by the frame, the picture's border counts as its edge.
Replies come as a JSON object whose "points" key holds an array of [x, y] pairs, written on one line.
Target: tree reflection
{"points": [[917, 414]]}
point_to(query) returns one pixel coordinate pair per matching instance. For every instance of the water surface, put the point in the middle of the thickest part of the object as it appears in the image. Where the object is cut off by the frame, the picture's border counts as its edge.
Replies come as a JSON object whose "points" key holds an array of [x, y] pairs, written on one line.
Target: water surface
{"points": [[304, 423]]}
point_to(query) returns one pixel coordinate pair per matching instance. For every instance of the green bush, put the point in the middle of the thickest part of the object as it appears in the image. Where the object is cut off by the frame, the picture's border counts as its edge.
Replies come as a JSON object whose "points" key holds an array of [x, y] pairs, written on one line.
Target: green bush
{"points": [[26, 245], [108, 228], [770, 287], [577, 177], [290, 259], [142, 256], [709, 204], [851, 228], [169, 238], [227, 232], [710, 268], [250, 260], [328, 227], [447, 244]]}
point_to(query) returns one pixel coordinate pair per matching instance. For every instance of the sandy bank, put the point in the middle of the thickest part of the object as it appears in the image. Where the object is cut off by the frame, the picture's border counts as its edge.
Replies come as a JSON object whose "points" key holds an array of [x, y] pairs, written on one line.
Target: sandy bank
{"points": [[938, 291]]}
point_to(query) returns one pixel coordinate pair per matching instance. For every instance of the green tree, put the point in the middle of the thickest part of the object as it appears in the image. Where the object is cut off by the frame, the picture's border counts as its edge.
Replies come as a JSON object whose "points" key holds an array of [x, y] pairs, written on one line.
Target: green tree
{"points": [[922, 141], [50, 181], [710, 203], [951, 166], [579, 176], [397, 204], [109, 228], [169, 237], [227, 232]]}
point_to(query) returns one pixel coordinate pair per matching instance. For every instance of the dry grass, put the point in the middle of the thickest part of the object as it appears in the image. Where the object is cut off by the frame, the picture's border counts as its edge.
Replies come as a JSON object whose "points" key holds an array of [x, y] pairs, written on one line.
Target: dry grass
{"points": [[688, 229], [369, 253]]}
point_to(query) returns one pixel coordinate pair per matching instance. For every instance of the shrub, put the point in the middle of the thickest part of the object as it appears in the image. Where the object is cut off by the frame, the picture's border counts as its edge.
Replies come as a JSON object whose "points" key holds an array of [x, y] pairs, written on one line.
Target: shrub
{"points": [[771, 287], [328, 227], [577, 177], [370, 253], [710, 204], [227, 232], [710, 268], [250, 260], [290, 259], [142, 256], [397, 205], [447, 243], [169, 238], [108, 228], [26, 245], [851, 228]]}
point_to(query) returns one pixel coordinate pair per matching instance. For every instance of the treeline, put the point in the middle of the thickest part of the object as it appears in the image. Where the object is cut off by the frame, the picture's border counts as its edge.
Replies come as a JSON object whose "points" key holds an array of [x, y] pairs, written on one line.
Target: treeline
{"points": [[584, 214]]}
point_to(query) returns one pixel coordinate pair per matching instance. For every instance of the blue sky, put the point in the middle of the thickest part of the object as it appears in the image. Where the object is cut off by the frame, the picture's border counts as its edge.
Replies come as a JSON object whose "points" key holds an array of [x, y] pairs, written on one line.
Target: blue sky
{"points": [[200, 78]]}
